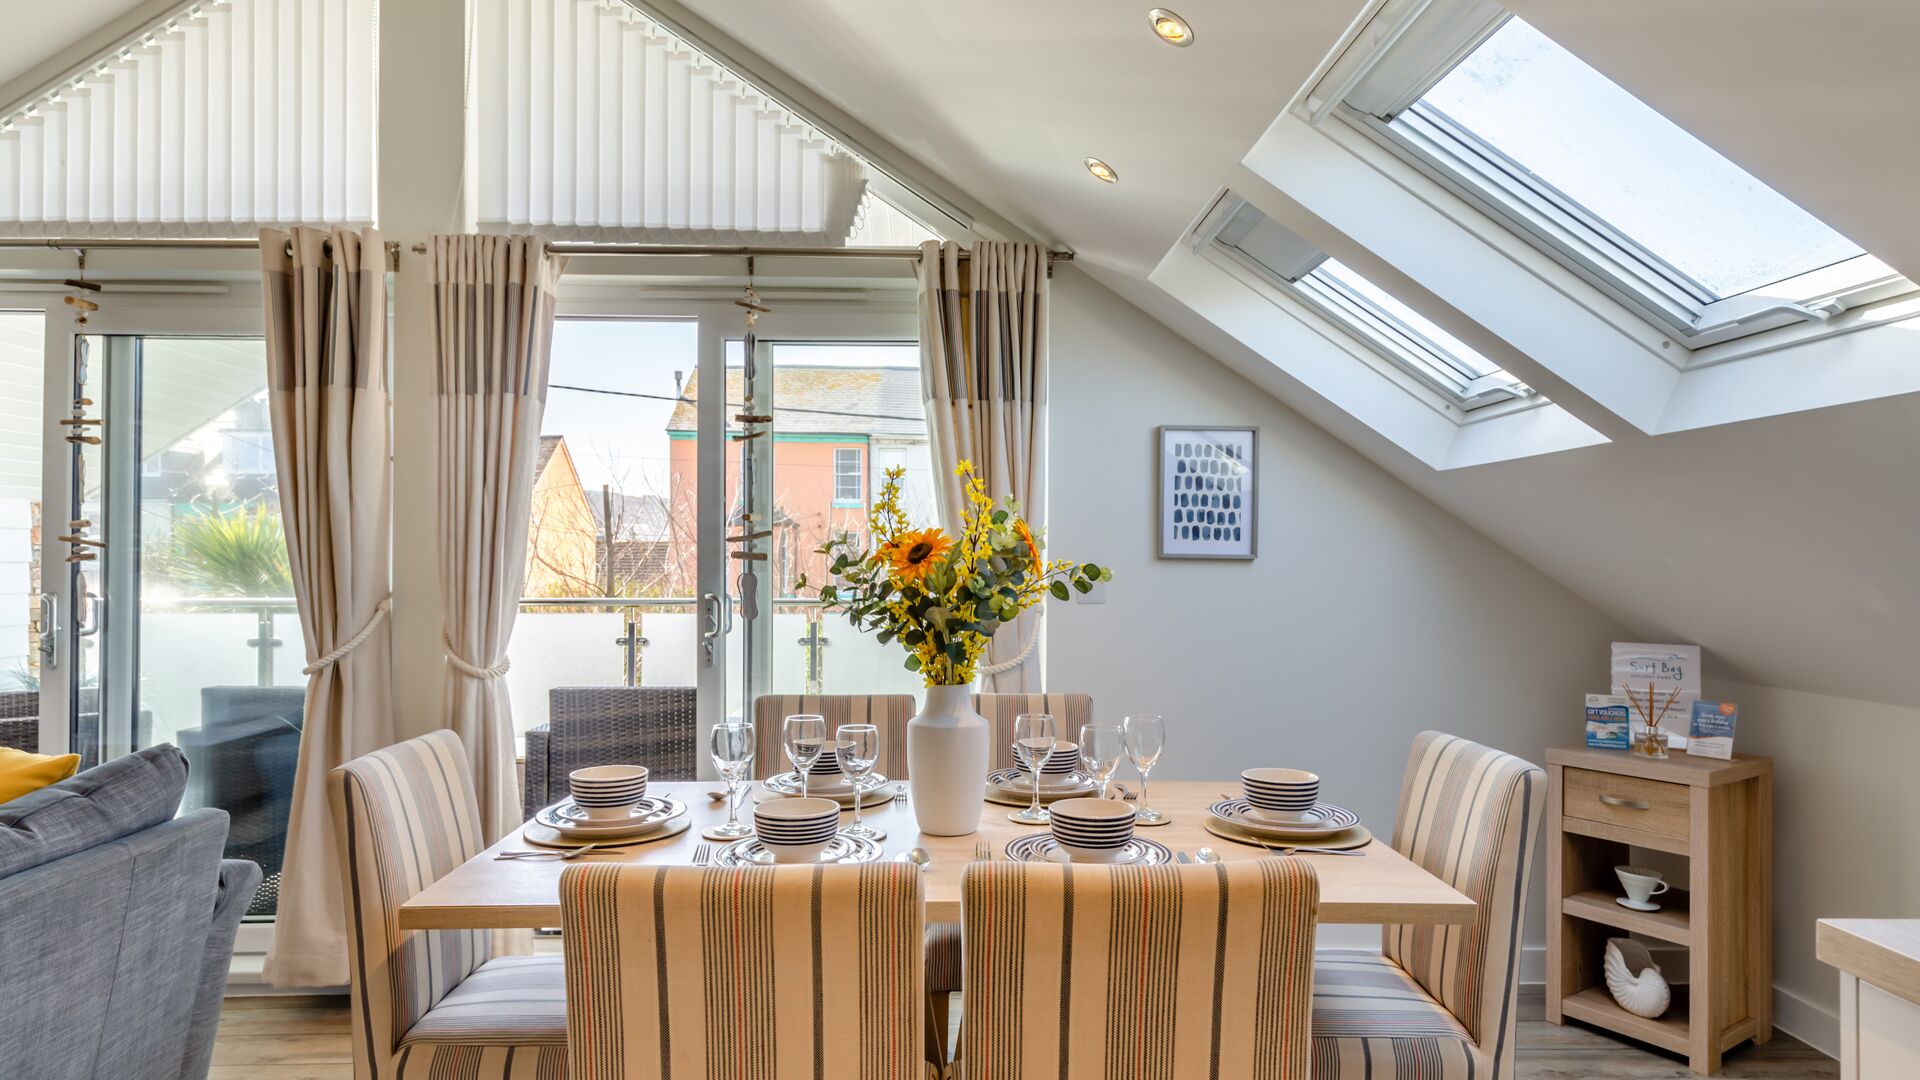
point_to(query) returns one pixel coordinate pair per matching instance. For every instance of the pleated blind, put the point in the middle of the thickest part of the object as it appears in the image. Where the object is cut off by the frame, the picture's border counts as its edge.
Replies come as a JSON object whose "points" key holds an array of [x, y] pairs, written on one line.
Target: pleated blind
{"points": [[235, 115], [594, 123]]}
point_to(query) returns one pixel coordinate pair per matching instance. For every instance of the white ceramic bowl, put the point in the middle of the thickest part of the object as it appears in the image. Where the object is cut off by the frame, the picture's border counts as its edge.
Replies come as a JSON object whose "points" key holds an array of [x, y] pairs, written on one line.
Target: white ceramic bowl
{"points": [[796, 830], [1281, 795], [608, 792], [1088, 825]]}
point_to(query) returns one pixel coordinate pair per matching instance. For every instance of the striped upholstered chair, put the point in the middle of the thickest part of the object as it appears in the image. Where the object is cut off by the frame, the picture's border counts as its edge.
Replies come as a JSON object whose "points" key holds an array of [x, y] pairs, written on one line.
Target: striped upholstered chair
{"points": [[432, 1004], [777, 972], [1438, 1001], [888, 712], [1070, 712], [1089, 972]]}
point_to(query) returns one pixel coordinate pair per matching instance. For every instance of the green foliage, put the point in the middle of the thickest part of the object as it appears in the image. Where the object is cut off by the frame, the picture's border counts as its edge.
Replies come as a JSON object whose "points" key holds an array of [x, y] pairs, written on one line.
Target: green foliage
{"points": [[230, 553]]}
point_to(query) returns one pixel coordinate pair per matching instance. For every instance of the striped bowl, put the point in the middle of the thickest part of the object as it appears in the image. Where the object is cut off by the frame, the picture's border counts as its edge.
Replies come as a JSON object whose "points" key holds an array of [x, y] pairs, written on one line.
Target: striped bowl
{"points": [[1091, 825], [1284, 792], [608, 792]]}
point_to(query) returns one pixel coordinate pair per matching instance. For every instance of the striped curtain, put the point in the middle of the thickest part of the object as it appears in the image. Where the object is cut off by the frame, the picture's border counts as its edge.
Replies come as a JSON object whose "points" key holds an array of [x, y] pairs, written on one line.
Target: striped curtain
{"points": [[493, 330], [326, 320], [983, 367]]}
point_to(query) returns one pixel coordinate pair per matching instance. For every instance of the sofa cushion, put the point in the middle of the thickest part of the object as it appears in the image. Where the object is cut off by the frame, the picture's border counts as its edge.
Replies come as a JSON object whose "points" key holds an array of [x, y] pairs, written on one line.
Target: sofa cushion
{"points": [[22, 773], [113, 800]]}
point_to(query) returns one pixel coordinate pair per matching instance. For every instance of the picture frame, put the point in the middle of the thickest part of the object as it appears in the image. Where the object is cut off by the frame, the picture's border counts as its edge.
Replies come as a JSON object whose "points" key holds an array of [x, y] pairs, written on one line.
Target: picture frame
{"points": [[1209, 504]]}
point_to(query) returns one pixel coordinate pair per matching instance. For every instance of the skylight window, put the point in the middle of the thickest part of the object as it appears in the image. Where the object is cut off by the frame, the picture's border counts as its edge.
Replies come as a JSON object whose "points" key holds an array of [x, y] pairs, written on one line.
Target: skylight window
{"points": [[1711, 223], [1398, 333], [1594, 177]]}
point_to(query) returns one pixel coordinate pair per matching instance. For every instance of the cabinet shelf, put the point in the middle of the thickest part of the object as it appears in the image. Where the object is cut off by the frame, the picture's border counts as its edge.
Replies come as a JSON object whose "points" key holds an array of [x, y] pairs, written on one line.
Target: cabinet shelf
{"points": [[1671, 923], [1597, 1007]]}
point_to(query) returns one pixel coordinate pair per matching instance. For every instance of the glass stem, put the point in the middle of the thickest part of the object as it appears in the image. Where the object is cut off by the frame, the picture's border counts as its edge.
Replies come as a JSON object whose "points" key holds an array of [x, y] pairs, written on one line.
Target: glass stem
{"points": [[733, 802], [1034, 810], [1145, 802], [856, 802]]}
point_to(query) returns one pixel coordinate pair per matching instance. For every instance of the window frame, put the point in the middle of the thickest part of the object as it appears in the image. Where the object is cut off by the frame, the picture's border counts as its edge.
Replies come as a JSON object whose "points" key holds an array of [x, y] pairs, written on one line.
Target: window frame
{"points": [[859, 500], [1553, 223], [1384, 334]]}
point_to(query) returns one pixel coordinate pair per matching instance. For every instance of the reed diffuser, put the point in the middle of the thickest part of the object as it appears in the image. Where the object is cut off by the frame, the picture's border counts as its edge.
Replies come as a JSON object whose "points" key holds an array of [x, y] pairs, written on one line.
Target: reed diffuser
{"points": [[1648, 739]]}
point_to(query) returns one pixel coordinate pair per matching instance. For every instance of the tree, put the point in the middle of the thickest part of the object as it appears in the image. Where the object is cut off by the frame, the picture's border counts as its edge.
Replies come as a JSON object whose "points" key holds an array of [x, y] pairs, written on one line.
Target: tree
{"points": [[231, 553]]}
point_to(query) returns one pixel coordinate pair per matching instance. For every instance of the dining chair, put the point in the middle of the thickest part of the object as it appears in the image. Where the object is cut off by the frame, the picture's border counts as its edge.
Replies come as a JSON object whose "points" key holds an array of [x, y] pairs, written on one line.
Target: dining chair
{"points": [[1440, 1001], [1070, 711], [1086, 972], [774, 972], [432, 1004], [888, 712]]}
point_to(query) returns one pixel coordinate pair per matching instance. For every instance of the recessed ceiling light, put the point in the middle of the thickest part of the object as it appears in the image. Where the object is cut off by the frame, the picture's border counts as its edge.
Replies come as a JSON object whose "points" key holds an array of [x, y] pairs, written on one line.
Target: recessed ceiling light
{"points": [[1102, 171], [1171, 27]]}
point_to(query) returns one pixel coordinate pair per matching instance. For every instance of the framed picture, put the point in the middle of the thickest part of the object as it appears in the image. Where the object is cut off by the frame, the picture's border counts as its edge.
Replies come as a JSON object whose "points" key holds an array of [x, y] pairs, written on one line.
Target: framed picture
{"points": [[1208, 492]]}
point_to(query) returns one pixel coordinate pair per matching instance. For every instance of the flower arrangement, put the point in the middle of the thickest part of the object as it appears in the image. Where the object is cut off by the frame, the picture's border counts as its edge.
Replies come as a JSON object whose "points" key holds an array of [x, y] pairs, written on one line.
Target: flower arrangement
{"points": [[943, 597]]}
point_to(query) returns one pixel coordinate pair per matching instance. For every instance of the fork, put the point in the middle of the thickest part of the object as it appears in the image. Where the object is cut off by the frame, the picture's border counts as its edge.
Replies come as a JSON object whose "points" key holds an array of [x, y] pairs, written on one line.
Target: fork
{"points": [[1126, 792], [702, 854]]}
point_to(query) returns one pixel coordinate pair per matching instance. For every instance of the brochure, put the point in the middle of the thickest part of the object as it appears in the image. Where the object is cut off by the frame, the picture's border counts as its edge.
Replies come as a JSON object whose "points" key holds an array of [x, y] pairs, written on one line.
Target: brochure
{"points": [[1607, 722], [1711, 733]]}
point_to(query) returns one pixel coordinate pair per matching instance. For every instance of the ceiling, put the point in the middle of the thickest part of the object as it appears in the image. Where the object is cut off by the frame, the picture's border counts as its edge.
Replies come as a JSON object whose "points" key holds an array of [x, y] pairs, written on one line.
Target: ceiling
{"points": [[52, 29], [1783, 544]]}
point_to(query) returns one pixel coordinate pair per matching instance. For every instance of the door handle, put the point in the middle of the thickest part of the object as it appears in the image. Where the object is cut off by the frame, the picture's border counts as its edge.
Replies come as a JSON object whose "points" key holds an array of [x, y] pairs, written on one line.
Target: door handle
{"points": [[49, 630], [711, 608], [1628, 804]]}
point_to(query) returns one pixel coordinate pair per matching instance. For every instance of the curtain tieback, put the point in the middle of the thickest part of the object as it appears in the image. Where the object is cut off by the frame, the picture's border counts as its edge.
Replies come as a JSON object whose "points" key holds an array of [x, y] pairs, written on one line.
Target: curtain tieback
{"points": [[472, 670], [1033, 638], [380, 612]]}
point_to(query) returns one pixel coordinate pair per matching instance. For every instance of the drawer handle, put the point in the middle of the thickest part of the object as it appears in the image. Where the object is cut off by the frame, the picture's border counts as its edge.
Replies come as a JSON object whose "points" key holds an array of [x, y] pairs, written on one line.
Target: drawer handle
{"points": [[1630, 804]]}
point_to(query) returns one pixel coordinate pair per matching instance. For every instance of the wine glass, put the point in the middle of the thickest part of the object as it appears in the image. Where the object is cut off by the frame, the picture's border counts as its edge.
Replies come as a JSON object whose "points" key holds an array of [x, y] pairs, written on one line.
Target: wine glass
{"points": [[805, 736], [1146, 736], [732, 747], [859, 749], [1101, 746], [1034, 735]]}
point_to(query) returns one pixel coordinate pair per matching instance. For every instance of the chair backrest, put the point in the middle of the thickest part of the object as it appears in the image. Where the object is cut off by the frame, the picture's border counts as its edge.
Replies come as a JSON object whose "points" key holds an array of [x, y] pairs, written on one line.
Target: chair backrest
{"points": [[1470, 815], [404, 817], [779, 972], [888, 712], [1070, 711], [655, 726], [1168, 971]]}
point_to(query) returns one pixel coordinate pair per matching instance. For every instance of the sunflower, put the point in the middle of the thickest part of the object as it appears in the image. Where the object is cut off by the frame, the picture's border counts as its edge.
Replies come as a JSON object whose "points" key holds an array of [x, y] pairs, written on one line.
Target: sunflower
{"points": [[1025, 534], [915, 554]]}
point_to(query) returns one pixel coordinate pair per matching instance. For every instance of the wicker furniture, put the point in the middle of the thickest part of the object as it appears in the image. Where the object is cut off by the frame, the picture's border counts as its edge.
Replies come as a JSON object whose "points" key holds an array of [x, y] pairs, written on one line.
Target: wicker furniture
{"points": [[20, 720], [655, 726], [243, 756], [1602, 804]]}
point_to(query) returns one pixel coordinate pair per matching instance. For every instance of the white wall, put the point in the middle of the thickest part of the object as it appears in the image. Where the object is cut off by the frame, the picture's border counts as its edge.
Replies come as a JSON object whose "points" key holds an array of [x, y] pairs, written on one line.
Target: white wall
{"points": [[1371, 613], [1845, 808]]}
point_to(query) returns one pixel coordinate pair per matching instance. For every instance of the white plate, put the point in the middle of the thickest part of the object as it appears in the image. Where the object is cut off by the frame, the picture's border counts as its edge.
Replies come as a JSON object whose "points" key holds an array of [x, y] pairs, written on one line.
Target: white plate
{"points": [[1238, 812], [788, 783], [842, 848], [1636, 905], [1020, 782], [1042, 847], [658, 810]]}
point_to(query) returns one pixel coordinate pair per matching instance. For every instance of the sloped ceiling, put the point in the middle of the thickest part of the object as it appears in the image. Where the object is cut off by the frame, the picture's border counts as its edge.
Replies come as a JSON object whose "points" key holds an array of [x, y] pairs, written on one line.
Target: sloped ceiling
{"points": [[51, 29], [1787, 545]]}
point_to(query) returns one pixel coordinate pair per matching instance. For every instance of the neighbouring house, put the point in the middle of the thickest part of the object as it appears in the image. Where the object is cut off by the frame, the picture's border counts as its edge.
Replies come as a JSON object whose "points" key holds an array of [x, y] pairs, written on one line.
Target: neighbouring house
{"points": [[635, 557], [836, 430], [563, 534]]}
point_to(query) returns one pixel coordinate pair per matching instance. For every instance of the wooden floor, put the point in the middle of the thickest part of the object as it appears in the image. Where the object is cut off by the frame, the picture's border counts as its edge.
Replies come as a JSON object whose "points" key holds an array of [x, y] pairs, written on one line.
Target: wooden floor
{"points": [[266, 1038]]}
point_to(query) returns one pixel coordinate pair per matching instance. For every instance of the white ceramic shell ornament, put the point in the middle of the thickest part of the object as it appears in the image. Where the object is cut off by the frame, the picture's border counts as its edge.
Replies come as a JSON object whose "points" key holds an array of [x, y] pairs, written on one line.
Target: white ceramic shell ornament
{"points": [[1634, 979]]}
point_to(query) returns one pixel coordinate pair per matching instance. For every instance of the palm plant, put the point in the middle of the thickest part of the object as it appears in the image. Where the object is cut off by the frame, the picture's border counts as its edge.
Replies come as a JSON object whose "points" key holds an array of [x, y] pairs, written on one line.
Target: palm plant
{"points": [[231, 553]]}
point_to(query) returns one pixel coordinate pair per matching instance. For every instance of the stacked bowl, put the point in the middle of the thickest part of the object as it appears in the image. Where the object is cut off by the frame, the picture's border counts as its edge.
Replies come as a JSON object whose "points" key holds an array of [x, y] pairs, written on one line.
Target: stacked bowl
{"points": [[796, 830], [826, 772], [1285, 796], [1092, 830], [608, 792]]}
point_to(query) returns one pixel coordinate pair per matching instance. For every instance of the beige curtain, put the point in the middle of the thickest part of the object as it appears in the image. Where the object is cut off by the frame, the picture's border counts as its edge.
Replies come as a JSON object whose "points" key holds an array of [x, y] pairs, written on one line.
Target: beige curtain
{"points": [[326, 320], [493, 314], [983, 362]]}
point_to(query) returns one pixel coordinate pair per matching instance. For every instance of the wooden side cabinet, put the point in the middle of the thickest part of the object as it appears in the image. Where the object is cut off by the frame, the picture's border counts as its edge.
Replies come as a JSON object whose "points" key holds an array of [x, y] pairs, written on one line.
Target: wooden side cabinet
{"points": [[1602, 804], [1879, 962]]}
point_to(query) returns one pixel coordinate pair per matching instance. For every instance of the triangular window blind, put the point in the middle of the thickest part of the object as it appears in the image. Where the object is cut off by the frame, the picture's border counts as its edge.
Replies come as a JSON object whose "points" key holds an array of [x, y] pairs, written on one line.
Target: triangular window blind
{"points": [[229, 116], [595, 123]]}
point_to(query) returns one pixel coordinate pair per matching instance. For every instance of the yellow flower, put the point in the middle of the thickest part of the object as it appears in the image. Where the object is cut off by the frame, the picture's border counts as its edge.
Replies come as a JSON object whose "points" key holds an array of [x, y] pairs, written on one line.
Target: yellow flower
{"points": [[915, 554], [1025, 534]]}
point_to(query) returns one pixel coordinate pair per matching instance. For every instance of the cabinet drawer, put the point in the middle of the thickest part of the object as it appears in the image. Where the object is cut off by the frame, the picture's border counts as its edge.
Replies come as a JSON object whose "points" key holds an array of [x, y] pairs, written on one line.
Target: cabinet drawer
{"points": [[1651, 806]]}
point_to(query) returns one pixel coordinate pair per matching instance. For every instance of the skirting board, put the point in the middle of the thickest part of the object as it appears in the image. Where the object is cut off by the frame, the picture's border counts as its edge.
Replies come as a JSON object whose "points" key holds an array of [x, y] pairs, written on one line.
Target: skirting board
{"points": [[1811, 1023]]}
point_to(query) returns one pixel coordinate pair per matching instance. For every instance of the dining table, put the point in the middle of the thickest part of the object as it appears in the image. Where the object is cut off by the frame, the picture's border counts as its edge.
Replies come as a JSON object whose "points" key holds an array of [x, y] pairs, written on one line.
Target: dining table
{"points": [[1378, 885]]}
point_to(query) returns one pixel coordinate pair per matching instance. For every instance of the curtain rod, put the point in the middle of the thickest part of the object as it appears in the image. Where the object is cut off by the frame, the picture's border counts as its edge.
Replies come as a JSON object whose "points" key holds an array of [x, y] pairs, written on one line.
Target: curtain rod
{"points": [[558, 248], [82, 243]]}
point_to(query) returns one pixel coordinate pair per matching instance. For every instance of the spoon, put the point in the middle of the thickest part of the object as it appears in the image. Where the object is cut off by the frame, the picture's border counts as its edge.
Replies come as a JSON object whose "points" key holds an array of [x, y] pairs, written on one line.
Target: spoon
{"points": [[570, 853], [1208, 855], [918, 857]]}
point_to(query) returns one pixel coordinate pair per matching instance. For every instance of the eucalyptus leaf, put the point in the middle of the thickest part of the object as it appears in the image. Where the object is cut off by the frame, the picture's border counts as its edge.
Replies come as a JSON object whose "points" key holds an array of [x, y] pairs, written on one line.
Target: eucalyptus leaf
{"points": [[1058, 589]]}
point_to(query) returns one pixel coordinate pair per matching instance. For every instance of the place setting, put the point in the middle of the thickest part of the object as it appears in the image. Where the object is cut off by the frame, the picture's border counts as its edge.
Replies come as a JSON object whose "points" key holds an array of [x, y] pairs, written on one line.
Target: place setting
{"points": [[1048, 769], [830, 768], [608, 808], [1281, 808], [1090, 831], [802, 830]]}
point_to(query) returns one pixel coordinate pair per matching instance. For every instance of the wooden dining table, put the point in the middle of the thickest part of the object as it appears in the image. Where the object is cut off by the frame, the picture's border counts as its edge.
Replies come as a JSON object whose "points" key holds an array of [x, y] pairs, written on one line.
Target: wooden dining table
{"points": [[1378, 886]]}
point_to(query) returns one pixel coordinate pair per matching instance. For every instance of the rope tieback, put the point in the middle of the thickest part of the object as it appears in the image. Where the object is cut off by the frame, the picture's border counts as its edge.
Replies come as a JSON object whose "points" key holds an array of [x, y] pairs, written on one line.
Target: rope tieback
{"points": [[380, 612], [470, 669], [1033, 638]]}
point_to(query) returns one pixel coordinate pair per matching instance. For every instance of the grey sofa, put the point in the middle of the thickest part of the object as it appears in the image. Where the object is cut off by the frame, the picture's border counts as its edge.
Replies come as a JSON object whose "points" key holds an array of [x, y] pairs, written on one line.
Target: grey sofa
{"points": [[655, 726], [117, 922]]}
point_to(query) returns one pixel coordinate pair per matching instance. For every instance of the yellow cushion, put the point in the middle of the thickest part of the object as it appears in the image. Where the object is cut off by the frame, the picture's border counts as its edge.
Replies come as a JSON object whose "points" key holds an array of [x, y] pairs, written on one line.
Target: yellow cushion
{"points": [[21, 772]]}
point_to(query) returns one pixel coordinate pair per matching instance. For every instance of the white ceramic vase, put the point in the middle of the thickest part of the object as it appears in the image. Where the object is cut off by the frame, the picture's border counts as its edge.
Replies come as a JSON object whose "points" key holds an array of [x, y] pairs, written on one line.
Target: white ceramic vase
{"points": [[947, 762]]}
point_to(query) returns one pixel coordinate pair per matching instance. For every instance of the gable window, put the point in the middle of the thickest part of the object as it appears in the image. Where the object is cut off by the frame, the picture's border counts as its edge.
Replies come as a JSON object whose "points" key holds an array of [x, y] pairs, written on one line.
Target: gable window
{"points": [[1396, 332], [849, 476], [1600, 181]]}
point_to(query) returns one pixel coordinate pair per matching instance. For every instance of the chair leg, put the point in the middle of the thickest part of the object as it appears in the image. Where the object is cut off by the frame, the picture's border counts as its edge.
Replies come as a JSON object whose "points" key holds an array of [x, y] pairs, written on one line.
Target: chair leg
{"points": [[937, 1029]]}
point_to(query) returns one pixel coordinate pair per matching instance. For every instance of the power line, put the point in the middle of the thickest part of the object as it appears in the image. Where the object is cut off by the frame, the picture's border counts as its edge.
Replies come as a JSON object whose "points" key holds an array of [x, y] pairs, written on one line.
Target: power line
{"points": [[735, 404]]}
